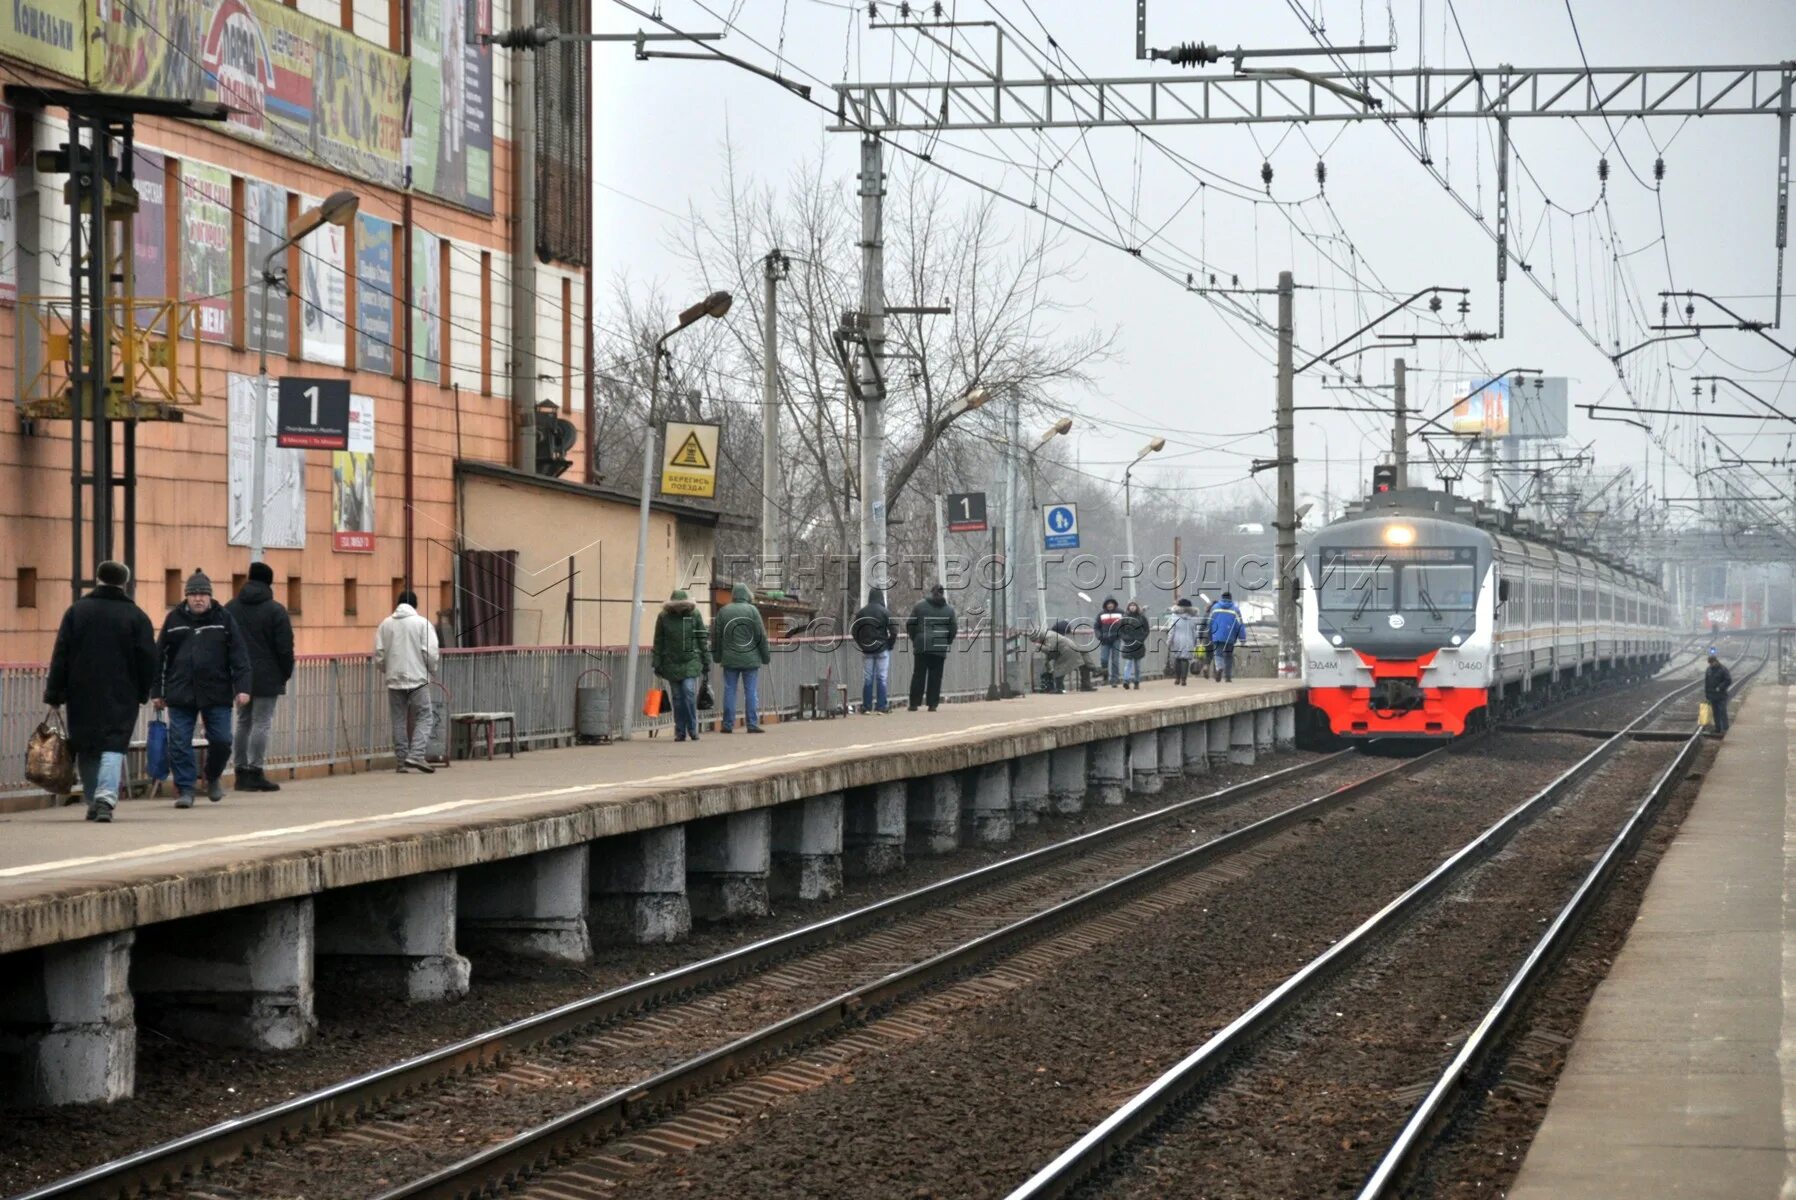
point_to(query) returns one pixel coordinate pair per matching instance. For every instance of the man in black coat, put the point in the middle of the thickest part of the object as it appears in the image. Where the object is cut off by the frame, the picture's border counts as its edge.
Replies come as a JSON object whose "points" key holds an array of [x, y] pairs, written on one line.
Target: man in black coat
{"points": [[202, 670], [932, 628], [1717, 681], [268, 636], [102, 667]]}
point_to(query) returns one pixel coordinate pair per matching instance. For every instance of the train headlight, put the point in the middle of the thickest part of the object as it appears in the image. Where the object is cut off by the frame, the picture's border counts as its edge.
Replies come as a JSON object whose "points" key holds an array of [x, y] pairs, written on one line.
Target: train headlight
{"points": [[1399, 535], [1338, 639], [1456, 639]]}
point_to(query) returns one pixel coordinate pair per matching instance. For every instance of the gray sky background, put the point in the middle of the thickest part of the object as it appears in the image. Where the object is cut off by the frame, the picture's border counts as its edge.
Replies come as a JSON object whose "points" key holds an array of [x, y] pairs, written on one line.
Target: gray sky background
{"points": [[1186, 369]]}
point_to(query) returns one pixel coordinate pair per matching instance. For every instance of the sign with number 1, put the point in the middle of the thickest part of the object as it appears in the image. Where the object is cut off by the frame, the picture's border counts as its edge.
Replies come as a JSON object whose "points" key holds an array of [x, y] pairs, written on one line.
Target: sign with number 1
{"points": [[966, 512], [312, 414]]}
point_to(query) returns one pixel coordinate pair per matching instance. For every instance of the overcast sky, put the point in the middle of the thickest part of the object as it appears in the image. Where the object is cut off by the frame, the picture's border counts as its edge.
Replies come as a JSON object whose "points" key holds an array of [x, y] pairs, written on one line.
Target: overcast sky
{"points": [[1186, 369]]}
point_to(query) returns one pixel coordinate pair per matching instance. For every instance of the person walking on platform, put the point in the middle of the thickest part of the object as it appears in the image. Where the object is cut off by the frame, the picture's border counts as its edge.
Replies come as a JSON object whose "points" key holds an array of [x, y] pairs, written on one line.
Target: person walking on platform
{"points": [[407, 654], [875, 633], [202, 670], [932, 628], [1131, 642], [682, 654], [1226, 631], [102, 669], [1716, 682], [268, 634], [1109, 657], [739, 644], [1182, 640]]}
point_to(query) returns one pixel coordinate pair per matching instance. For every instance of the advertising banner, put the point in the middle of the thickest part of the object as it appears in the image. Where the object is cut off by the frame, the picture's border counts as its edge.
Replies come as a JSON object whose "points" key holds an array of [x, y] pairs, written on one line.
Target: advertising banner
{"points": [[283, 488], [352, 483], [264, 225], [298, 85], [452, 103], [9, 213], [324, 294], [375, 334], [1482, 411], [48, 33], [427, 307], [689, 461], [206, 247], [149, 233]]}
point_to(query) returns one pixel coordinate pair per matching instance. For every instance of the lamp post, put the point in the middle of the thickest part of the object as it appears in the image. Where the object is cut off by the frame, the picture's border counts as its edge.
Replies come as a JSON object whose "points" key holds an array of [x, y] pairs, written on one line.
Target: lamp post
{"points": [[1153, 447], [974, 397], [337, 209], [1062, 426], [715, 305]]}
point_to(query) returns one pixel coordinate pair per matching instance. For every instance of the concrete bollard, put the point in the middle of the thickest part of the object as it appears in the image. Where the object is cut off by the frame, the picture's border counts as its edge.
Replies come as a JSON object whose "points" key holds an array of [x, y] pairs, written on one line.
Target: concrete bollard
{"points": [[1284, 735], [533, 905], [1109, 770], [985, 818], [1262, 731], [241, 977], [1197, 748], [1029, 787], [1219, 741], [1067, 773], [1172, 753], [932, 814], [1144, 762], [639, 887], [873, 830], [67, 1030], [396, 936], [807, 848], [1241, 740], [727, 860]]}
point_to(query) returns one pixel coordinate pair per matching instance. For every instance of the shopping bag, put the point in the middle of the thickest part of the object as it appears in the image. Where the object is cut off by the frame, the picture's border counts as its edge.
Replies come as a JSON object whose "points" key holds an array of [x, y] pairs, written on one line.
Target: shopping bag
{"points": [[706, 701], [656, 702], [155, 749], [1705, 715], [49, 759]]}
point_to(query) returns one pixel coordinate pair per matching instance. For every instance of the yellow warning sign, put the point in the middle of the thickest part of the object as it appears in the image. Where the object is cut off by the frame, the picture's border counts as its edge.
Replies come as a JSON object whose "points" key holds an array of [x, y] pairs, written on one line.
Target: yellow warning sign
{"points": [[689, 461]]}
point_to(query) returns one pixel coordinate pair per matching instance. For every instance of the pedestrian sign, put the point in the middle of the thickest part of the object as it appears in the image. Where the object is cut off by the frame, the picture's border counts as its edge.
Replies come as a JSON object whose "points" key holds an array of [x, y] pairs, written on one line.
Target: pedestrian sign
{"points": [[1060, 527], [689, 461]]}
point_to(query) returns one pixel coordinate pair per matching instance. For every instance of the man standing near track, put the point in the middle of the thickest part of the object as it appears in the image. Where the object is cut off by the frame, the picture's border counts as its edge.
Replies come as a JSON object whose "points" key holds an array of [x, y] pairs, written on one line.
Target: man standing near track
{"points": [[1716, 682]]}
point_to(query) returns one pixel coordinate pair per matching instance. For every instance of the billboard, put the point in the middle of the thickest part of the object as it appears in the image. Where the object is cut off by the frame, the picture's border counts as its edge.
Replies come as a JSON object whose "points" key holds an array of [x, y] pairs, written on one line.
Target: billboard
{"points": [[206, 247], [427, 307], [352, 483], [374, 329], [324, 294], [451, 115], [9, 213], [149, 232], [295, 84], [283, 488], [1515, 406], [46, 33], [264, 226]]}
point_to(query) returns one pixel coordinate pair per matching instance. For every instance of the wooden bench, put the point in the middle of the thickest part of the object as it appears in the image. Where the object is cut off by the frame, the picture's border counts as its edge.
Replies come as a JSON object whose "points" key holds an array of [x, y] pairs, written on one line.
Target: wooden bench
{"points": [[467, 723]]}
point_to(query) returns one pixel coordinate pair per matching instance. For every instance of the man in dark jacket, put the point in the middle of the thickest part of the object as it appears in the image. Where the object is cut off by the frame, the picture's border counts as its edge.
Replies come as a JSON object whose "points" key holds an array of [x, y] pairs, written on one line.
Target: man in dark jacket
{"points": [[1717, 681], [268, 636], [102, 667], [1109, 658], [202, 670], [931, 629], [875, 633], [1131, 642], [682, 654], [739, 644]]}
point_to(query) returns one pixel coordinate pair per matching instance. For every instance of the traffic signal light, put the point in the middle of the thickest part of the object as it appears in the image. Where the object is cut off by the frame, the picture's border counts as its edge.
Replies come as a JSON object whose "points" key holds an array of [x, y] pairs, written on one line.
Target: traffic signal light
{"points": [[1384, 477]]}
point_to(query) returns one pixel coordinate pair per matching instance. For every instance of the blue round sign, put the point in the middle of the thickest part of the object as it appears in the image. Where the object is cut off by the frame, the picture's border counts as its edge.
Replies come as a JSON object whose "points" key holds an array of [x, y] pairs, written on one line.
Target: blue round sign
{"points": [[1060, 519]]}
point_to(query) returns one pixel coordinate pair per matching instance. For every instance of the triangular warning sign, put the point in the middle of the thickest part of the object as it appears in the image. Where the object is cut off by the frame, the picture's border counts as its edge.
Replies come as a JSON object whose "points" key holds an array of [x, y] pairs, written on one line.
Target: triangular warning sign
{"points": [[690, 454]]}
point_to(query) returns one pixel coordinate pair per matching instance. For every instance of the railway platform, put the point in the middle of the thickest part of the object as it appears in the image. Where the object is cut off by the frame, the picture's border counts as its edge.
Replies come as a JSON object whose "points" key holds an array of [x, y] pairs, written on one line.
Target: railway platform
{"points": [[212, 922], [1682, 1079]]}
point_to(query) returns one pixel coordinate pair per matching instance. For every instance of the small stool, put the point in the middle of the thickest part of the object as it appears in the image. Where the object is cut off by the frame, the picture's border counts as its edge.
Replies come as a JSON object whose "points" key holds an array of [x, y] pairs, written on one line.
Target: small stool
{"points": [[489, 721]]}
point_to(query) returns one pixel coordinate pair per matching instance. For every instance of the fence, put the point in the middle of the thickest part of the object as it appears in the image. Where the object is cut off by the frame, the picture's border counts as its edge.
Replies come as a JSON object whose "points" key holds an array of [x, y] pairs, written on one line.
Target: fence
{"points": [[334, 713]]}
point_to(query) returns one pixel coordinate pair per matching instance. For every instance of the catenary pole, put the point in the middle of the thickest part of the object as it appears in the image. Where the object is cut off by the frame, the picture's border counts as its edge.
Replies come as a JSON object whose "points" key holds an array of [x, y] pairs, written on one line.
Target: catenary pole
{"points": [[872, 379], [1400, 427], [772, 572], [523, 246], [1286, 558]]}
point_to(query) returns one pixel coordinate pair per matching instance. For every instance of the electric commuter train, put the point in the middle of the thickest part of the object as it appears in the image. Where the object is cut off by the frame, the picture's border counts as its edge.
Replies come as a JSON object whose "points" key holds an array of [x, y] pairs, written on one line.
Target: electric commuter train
{"points": [[1427, 615]]}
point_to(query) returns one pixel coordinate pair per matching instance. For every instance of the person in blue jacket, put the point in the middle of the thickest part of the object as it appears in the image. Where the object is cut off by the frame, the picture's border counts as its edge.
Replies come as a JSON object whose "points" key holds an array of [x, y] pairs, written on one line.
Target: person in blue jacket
{"points": [[1225, 631]]}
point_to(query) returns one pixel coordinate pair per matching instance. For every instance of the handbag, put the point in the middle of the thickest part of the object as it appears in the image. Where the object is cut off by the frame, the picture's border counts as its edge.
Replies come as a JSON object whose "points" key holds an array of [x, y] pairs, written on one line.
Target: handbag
{"points": [[706, 701], [656, 702], [155, 749], [49, 759]]}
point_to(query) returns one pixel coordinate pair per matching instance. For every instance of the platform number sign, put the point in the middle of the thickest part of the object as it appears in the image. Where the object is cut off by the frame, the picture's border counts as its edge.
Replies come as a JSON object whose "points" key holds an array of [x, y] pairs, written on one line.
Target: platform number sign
{"points": [[966, 512], [1060, 527], [312, 414]]}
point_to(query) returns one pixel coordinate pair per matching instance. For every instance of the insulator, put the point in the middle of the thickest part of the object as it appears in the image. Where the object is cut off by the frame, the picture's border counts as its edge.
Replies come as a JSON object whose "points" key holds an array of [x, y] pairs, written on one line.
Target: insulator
{"points": [[1187, 54], [1658, 170], [1234, 281], [1266, 175], [904, 11], [1434, 302], [1602, 169], [1664, 310], [872, 10], [1465, 306], [1321, 174], [1189, 279], [1689, 311], [1212, 279]]}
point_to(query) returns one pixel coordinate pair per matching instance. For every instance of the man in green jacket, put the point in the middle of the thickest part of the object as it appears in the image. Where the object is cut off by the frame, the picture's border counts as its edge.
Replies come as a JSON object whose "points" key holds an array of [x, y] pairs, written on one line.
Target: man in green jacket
{"points": [[739, 643], [682, 654]]}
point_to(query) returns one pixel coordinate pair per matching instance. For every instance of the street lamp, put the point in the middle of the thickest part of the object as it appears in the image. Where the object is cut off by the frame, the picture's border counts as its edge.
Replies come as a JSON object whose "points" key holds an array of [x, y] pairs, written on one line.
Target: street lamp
{"points": [[973, 398], [337, 209], [1153, 447], [1063, 426], [715, 305]]}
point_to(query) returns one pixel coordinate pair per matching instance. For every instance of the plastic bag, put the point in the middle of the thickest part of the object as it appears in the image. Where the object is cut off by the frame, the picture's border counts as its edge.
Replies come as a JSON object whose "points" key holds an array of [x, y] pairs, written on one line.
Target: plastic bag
{"points": [[706, 701], [656, 702], [1705, 715], [49, 759], [155, 750]]}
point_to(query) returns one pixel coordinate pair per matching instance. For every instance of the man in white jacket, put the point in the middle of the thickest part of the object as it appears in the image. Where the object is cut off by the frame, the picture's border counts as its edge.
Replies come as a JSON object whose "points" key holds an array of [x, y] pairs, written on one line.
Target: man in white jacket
{"points": [[405, 651]]}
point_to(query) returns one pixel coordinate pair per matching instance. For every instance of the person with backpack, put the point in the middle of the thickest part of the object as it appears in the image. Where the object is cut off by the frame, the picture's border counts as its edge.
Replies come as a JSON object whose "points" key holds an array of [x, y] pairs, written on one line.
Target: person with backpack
{"points": [[268, 634], [682, 655], [102, 669], [407, 654], [1131, 642], [875, 633], [931, 629], [1226, 631], [739, 645], [202, 671], [1109, 658]]}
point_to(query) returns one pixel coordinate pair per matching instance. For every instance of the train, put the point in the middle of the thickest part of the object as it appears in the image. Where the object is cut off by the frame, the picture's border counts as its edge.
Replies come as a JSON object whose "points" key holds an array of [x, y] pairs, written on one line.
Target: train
{"points": [[1428, 616]]}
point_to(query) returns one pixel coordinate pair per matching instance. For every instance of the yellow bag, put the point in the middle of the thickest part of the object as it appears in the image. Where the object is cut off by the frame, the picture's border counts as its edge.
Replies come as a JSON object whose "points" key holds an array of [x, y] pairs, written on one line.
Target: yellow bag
{"points": [[1705, 715]]}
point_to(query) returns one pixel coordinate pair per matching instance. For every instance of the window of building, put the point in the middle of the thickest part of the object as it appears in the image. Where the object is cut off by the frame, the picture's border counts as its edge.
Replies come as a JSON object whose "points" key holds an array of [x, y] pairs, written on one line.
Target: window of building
{"points": [[171, 586], [349, 598], [567, 343], [296, 591], [27, 597]]}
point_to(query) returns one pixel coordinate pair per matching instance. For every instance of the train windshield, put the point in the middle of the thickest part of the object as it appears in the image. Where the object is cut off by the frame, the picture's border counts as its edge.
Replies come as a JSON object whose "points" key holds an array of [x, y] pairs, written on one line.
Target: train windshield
{"points": [[1355, 587], [1439, 588]]}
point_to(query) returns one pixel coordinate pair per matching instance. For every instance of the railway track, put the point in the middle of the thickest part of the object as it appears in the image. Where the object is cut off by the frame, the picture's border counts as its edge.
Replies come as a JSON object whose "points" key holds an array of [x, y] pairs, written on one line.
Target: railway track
{"points": [[1318, 1023]]}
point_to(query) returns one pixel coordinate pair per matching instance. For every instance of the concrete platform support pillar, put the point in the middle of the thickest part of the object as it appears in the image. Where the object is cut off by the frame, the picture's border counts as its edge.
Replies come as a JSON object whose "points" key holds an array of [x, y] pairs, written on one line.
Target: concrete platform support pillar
{"points": [[67, 1033], [985, 818], [1284, 731], [1197, 748], [873, 830], [242, 977], [1172, 753], [1144, 762], [1220, 736], [397, 936], [533, 905], [1029, 783], [727, 860], [1263, 723], [1109, 770], [1241, 739], [639, 887], [807, 848], [1067, 773], [932, 821]]}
